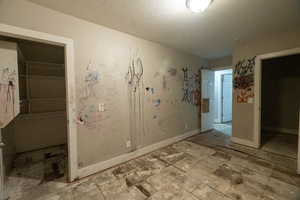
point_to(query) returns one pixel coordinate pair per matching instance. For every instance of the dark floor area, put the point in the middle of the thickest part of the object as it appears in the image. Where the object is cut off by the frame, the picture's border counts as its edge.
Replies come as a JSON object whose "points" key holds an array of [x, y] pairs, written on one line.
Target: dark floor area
{"points": [[281, 152]]}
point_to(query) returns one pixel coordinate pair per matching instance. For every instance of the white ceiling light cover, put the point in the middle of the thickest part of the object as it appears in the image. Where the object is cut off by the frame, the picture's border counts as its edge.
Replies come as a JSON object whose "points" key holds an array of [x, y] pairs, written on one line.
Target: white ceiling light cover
{"points": [[198, 5]]}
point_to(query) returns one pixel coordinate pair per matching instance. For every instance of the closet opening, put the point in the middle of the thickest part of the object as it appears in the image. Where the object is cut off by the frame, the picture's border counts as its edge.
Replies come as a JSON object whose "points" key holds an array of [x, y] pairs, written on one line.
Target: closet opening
{"points": [[36, 143]]}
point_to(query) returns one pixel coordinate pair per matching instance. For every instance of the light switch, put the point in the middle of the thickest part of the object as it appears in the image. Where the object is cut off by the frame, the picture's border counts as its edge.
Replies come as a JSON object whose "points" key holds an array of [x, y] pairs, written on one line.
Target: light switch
{"points": [[128, 144]]}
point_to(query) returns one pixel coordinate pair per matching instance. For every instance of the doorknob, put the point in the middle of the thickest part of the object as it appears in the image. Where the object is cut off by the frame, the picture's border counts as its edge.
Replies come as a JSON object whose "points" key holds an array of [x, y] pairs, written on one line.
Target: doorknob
{"points": [[2, 144]]}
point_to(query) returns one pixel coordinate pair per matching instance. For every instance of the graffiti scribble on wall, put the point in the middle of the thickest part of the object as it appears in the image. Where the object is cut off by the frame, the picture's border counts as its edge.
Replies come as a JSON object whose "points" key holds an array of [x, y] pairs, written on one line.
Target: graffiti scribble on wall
{"points": [[244, 80], [91, 79], [134, 78], [88, 114], [157, 102], [172, 71], [7, 94], [191, 87]]}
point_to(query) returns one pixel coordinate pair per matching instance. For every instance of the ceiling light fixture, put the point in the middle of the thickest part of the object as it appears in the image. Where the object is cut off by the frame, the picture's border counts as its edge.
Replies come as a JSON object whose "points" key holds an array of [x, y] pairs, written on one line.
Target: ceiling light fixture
{"points": [[198, 5]]}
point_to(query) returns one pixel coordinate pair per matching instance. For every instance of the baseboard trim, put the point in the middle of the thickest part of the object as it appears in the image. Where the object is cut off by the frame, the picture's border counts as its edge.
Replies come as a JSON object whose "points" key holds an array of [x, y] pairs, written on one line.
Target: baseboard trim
{"points": [[281, 130], [244, 142], [95, 168]]}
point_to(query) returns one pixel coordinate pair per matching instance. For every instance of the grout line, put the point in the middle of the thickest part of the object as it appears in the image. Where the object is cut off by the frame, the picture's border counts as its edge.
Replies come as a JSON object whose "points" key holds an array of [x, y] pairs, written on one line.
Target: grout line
{"points": [[99, 188]]}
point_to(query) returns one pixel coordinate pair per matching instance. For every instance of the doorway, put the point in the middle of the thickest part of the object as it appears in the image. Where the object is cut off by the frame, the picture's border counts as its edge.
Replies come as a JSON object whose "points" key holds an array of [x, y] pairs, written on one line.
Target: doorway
{"points": [[67, 44], [280, 103], [35, 150], [223, 101], [277, 103]]}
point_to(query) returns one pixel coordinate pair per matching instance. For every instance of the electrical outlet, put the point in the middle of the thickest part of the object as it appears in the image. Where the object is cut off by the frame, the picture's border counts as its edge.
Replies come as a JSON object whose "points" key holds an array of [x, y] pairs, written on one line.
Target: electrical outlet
{"points": [[101, 107], [128, 144]]}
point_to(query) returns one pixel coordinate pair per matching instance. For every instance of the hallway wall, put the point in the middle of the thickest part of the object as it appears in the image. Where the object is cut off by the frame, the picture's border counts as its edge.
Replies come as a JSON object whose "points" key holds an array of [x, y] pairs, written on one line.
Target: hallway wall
{"points": [[102, 61]]}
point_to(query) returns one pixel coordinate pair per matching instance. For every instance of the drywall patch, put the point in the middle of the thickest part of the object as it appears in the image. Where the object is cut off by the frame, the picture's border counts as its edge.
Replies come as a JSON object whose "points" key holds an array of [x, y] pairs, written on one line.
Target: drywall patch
{"points": [[244, 80]]}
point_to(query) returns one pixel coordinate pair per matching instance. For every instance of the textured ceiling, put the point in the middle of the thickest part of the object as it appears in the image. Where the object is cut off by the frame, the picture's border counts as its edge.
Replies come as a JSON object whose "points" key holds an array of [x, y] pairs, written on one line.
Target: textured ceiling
{"points": [[210, 34]]}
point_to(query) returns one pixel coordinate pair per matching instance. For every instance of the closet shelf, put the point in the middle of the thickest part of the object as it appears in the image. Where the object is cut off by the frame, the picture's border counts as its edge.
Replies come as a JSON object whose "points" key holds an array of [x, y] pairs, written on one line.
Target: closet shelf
{"points": [[41, 76]]}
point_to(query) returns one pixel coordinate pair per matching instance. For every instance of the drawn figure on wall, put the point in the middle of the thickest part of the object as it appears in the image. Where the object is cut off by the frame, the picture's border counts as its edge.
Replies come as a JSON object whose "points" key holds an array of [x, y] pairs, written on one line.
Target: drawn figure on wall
{"points": [[91, 79], [191, 87], [7, 93], [88, 114], [244, 80], [197, 89], [134, 78]]}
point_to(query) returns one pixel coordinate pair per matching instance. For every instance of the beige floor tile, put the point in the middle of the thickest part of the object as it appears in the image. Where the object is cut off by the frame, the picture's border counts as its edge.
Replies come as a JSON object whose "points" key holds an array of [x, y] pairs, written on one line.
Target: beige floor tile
{"points": [[171, 192], [278, 190], [205, 192]]}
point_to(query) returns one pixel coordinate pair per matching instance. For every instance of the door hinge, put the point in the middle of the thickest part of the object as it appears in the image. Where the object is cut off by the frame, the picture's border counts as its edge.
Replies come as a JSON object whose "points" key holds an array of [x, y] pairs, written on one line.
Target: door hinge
{"points": [[2, 144]]}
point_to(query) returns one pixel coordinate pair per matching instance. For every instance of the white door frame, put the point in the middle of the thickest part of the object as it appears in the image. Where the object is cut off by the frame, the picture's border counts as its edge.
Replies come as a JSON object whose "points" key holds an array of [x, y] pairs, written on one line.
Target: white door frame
{"points": [[21, 33], [257, 96]]}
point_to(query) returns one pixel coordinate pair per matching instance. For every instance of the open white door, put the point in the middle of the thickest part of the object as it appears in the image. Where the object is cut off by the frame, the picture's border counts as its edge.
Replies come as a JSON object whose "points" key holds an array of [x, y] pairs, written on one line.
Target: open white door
{"points": [[9, 96], [226, 97], [2, 192], [207, 115]]}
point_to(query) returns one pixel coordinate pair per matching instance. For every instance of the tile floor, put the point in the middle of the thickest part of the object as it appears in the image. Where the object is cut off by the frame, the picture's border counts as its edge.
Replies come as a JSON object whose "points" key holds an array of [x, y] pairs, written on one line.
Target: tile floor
{"points": [[225, 128], [280, 143], [183, 171], [35, 168], [277, 150]]}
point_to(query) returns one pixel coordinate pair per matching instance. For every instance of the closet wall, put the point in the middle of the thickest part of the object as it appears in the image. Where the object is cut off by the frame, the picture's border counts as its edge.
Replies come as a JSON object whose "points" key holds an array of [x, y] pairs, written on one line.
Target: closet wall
{"points": [[281, 94], [42, 120], [43, 106]]}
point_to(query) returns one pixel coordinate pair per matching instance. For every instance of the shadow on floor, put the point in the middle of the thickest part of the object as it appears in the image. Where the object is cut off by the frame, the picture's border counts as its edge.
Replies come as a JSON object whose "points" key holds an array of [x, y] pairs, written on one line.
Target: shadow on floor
{"points": [[269, 152], [280, 143], [37, 168]]}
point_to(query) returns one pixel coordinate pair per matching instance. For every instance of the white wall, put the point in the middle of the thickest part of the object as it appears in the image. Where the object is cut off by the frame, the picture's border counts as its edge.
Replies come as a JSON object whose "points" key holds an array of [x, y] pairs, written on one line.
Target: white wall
{"points": [[218, 95], [220, 63]]}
